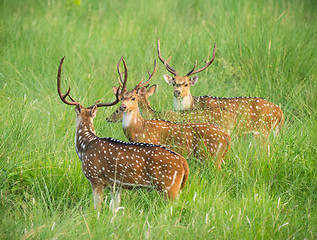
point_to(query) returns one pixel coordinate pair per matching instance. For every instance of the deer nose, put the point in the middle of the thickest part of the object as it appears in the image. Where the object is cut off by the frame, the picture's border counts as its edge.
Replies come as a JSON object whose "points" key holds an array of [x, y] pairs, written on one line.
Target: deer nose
{"points": [[123, 108], [177, 93]]}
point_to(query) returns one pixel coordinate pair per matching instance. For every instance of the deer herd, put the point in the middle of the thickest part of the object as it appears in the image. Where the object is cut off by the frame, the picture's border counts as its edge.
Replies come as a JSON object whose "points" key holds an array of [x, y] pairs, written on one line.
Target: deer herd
{"points": [[160, 142]]}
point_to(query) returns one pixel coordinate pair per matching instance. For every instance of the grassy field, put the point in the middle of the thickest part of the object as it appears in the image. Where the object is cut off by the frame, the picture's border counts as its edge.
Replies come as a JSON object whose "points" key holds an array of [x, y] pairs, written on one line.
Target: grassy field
{"points": [[264, 48]]}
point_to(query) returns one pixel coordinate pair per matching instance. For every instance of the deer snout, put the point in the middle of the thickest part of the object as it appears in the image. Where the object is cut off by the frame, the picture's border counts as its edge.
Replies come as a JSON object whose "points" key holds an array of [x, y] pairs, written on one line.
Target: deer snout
{"points": [[123, 107], [177, 93], [109, 120]]}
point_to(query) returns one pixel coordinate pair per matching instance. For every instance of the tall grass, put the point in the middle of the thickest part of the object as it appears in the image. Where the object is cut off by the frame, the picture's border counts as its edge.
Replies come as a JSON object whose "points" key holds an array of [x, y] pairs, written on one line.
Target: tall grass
{"points": [[264, 48]]}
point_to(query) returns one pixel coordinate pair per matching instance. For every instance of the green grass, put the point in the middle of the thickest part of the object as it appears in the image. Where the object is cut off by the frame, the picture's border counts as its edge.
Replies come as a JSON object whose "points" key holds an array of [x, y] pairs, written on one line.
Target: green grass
{"points": [[264, 48]]}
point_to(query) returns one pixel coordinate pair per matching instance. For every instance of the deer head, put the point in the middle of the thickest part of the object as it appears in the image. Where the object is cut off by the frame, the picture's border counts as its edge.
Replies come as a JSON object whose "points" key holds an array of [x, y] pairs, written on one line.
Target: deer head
{"points": [[181, 84], [129, 101]]}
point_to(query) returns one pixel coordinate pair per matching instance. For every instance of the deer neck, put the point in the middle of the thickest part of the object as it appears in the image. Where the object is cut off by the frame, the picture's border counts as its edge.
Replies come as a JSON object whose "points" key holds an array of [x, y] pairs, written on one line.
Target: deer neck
{"points": [[85, 133], [132, 124], [146, 109], [184, 103]]}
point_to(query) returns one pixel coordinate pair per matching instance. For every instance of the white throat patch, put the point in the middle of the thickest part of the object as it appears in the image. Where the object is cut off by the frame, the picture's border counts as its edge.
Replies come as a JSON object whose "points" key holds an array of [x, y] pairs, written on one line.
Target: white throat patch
{"points": [[127, 119], [182, 103]]}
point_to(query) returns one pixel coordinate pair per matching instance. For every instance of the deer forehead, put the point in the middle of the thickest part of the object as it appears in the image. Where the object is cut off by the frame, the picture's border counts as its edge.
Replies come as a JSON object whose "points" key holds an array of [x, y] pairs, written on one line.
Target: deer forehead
{"points": [[181, 80], [128, 94]]}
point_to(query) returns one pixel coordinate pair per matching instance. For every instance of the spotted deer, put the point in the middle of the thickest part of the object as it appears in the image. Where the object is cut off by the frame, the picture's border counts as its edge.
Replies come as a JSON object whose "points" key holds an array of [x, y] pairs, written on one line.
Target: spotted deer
{"points": [[203, 140], [218, 115], [107, 162], [254, 114]]}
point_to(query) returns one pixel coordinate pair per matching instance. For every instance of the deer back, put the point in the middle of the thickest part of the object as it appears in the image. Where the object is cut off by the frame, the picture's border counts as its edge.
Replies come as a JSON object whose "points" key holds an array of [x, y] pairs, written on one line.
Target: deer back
{"points": [[253, 114]]}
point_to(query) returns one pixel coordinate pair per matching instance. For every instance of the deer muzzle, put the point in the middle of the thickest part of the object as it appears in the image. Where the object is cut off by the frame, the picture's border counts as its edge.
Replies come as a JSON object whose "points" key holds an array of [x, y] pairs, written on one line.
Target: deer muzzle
{"points": [[177, 93], [123, 108]]}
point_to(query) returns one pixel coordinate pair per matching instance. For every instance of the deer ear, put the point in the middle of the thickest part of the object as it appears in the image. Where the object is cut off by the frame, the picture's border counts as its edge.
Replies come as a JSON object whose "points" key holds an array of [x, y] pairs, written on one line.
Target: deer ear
{"points": [[93, 111], [141, 92], [193, 80], [78, 109], [115, 90], [168, 79], [151, 90]]}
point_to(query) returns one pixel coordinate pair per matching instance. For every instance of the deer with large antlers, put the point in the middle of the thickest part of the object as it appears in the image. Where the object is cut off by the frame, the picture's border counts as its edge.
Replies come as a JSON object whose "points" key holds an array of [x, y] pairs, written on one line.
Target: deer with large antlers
{"points": [[107, 162], [218, 115], [203, 140], [254, 114]]}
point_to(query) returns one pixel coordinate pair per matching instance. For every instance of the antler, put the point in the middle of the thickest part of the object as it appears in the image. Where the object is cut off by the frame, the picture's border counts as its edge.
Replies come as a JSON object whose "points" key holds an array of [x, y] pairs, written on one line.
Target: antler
{"points": [[167, 66], [122, 85], [107, 104], [140, 84], [203, 68], [63, 97]]}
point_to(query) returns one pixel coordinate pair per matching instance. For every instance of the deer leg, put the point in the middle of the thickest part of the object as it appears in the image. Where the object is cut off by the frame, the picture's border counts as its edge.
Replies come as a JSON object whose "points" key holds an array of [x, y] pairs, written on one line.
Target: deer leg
{"points": [[98, 191], [268, 146], [172, 191], [278, 126], [222, 150], [276, 131], [264, 141], [115, 200], [219, 156]]}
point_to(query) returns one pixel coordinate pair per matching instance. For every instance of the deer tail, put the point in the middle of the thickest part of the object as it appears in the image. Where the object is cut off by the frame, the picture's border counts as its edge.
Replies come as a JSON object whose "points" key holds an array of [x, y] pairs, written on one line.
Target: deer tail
{"points": [[186, 173]]}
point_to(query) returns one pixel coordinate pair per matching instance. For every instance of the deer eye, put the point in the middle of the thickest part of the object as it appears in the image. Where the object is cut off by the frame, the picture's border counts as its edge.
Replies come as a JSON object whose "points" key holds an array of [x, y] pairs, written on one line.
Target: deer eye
{"points": [[174, 84], [186, 85], [133, 99]]}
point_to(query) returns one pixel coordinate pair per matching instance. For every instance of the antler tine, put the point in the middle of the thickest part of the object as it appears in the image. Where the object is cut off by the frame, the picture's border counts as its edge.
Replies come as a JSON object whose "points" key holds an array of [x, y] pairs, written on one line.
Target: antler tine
{"points": [[125, 71], [147, 81], [107, 104], [191, 71], [139, 84], [120, 83], [63, 97], [125, 76], [167, 66], [118, 69], [207, 64]]}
